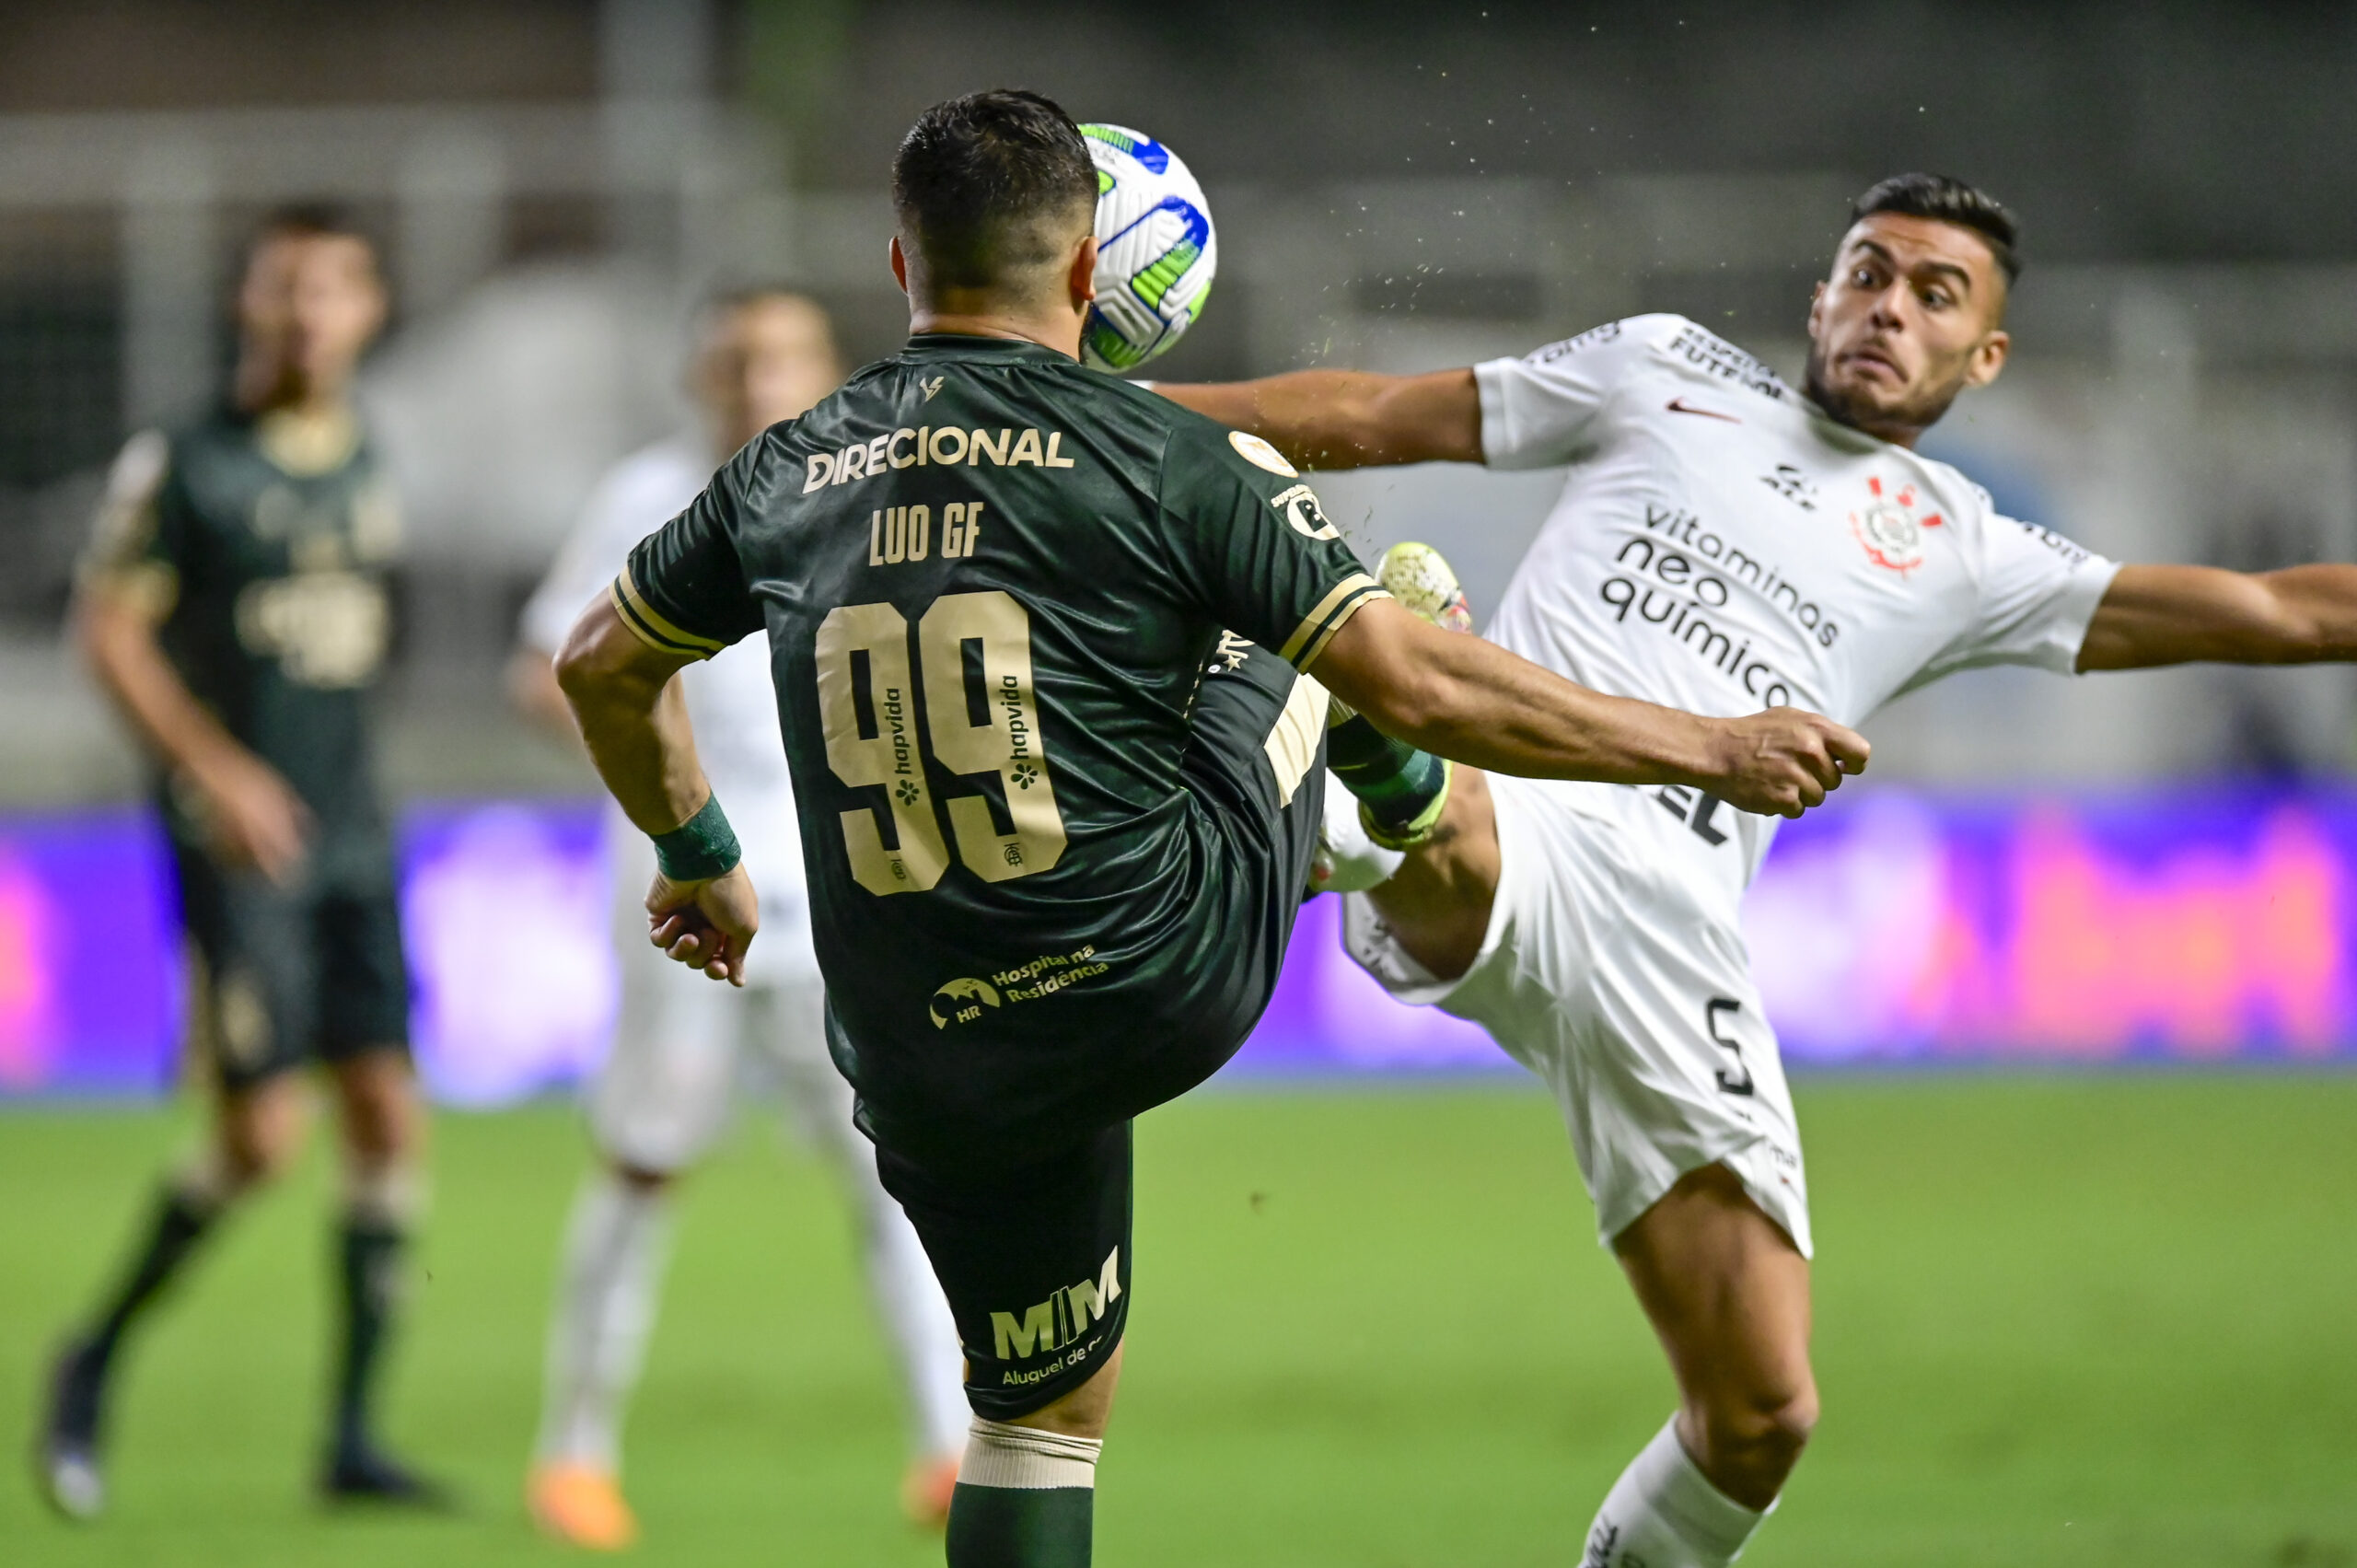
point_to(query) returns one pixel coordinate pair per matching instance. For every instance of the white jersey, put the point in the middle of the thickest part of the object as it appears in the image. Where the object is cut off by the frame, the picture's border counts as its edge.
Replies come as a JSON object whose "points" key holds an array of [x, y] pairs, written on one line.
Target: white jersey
{"points": [[1721, 546], [731, 700]]}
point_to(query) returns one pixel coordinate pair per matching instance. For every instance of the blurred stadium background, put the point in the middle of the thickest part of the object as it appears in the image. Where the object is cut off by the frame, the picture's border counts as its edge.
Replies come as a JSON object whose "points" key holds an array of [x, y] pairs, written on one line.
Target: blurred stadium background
{"points": [[2090, 1316]]}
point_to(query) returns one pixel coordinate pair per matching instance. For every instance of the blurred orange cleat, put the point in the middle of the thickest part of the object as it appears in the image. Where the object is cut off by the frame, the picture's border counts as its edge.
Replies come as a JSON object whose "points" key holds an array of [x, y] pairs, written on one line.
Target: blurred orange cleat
{"points": [[925, 1490], [581, 1506]]}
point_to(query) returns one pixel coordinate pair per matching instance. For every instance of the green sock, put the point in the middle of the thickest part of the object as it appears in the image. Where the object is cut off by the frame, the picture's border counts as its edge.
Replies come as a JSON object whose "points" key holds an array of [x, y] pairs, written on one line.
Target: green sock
{"points": [[370, 1259], [178, 1225], [1398, 784], [993, 1526]]}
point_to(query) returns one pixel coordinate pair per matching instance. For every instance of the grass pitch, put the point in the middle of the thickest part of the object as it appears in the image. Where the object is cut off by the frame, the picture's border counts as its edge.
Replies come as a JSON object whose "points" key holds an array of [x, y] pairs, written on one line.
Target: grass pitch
{"points": [[2060, 1322]]}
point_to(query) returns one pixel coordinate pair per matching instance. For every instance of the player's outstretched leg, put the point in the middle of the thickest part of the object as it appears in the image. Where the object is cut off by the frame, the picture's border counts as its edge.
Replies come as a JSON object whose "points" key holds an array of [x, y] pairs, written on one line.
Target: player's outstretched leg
{"points": [[1728, 1293], [383, 1126], [1432, 879], [1401, 792], [256, 1129]]}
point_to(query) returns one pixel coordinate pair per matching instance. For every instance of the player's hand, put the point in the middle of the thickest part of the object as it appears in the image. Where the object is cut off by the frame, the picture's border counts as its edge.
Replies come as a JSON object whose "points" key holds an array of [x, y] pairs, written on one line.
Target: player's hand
{"points": [[705, 925], [1782, 761], [253, 820]]}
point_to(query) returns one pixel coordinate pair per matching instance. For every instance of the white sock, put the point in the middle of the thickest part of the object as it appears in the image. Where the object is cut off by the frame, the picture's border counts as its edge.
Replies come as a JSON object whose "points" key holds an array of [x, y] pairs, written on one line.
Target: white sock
{"points": [[614, 1253], [1024, 1458], [917, 1320], [1347, 861], [1662, 1512]]}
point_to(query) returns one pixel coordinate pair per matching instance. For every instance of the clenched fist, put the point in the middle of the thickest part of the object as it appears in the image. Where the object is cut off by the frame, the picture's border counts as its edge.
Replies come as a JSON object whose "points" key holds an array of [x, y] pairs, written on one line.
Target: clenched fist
{"points": [[1782, 761]]}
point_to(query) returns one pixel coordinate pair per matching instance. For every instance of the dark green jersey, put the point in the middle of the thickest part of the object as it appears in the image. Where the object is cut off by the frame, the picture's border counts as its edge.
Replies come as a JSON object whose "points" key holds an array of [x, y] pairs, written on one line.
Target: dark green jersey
{"points": [[991, 580], [260, 545]]}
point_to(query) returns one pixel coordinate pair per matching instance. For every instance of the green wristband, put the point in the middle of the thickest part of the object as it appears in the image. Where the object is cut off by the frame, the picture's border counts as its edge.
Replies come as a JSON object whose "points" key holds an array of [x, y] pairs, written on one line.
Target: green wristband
{"points": [[701, 848]]}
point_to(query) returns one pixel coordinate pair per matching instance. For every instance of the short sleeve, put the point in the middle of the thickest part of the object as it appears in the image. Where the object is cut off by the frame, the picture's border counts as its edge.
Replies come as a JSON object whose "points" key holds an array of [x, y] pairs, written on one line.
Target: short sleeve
{"points": [[1540, 410], [683, 590], [1250, 537], [136, 543], [617, 516], [2038, 593]]}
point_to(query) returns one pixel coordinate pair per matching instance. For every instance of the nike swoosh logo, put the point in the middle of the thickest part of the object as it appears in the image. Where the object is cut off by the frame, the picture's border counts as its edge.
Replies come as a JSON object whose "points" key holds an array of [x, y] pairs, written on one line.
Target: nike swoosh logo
{"points": [[1680, 405]]}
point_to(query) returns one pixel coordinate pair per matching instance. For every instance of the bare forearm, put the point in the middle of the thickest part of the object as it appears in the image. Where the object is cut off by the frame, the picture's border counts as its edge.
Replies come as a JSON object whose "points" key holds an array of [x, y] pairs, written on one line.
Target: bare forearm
{"points": [[120, 645], [1481, 705], [1345, 418], [2164, 615], [634, 722]]}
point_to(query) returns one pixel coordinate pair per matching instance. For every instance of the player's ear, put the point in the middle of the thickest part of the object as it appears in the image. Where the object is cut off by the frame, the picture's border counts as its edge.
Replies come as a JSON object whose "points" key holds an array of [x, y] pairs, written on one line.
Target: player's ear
{"points": [[1988, 358], [1815, 310], [1082, 279], [899, 264]]}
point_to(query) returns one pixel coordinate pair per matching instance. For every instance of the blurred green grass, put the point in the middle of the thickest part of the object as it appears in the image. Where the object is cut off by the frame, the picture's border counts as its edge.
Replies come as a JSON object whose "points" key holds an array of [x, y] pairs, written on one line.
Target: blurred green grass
{"points": [[2065, 1321]]}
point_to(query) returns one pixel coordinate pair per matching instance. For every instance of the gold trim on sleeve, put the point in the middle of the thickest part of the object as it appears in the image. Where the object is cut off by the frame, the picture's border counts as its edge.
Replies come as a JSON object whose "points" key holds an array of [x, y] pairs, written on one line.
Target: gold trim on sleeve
{"points": [[653, 627]]}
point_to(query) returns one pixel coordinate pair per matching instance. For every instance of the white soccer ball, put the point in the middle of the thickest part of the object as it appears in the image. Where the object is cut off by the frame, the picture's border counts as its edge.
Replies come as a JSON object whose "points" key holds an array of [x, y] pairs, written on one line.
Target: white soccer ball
{"points": [[1155, 254]]}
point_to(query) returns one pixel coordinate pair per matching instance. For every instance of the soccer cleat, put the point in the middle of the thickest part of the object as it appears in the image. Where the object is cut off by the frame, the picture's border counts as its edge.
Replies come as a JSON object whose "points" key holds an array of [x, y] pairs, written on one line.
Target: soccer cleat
{"points": [[581, 1506], [925, 1491], [66, 1461], [359, 1472], [1420, 579]]}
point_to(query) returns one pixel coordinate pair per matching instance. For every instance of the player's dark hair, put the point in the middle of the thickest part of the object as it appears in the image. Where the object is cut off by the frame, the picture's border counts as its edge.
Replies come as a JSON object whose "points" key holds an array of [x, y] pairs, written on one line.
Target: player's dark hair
{"points": [[1948, 199], [308, 220], [984, 185]]}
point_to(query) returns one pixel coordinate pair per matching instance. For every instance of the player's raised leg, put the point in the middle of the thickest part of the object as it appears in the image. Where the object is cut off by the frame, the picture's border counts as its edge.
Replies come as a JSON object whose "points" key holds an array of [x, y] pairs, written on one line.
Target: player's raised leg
{"points": [[1728, 1293], [1433, 878]]}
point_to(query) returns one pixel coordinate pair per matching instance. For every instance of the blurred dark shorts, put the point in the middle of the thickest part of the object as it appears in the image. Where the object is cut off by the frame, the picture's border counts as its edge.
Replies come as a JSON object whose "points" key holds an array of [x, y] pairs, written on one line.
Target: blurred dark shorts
{"points": [[282, 977], [1035, 1260]]}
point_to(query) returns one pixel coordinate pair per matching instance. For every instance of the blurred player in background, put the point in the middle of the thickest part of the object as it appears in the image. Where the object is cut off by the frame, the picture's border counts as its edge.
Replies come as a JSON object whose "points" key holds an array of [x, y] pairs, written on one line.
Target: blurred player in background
{"points": [[1724, 543], [665, 1093], [1101, 659], [233, 604]]}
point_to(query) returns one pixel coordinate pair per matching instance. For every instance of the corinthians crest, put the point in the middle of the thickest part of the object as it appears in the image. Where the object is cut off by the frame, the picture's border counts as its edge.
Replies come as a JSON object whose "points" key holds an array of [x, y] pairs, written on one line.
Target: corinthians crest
{"points": [[1889, 529]]}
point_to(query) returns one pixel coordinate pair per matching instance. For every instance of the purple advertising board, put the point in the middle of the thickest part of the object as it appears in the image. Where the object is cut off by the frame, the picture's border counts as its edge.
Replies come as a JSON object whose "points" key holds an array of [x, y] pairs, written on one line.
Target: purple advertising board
{"points": [[2178, 924]]}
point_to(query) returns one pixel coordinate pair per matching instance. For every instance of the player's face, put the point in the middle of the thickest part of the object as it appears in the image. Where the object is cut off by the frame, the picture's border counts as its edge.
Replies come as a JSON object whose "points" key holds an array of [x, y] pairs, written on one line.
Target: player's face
{"points": [[772, 358], [1911, 316], [309, 306]]}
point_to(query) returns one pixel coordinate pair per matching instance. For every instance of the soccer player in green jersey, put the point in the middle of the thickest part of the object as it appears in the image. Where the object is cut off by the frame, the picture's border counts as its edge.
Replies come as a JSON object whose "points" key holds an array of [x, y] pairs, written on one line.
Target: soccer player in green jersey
{"points": [[1041, 641], [234, 605]]}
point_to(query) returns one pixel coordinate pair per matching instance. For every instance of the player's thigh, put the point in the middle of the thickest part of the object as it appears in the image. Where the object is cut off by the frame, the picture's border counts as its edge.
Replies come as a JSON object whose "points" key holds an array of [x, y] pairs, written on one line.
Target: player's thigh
{"points": [[1728, 1293], [1674, 1066], [1034, 1260], [1555, 890], [362, 976], [254, 965], [664, 1092], [1255, 756]]}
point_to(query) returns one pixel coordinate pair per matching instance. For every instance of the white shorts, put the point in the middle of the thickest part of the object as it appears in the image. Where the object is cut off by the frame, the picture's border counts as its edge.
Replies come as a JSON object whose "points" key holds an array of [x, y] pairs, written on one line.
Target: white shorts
{"points": [[685, 1043], [1613, 969]]}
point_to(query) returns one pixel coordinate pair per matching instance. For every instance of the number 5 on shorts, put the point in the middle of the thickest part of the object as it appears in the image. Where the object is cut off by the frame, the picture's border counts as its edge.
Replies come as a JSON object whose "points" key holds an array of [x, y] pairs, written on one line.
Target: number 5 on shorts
{"points": [[1740, 1081]]}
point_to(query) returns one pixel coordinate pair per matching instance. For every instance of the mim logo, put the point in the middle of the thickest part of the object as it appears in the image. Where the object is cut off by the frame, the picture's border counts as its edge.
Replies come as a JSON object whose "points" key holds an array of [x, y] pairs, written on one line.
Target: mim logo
{"points": [[1059, 1319]]}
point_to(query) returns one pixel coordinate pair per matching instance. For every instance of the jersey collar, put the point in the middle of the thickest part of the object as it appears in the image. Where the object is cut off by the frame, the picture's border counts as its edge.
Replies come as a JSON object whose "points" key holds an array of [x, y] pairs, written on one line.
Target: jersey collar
{"points": [[961, 345]]}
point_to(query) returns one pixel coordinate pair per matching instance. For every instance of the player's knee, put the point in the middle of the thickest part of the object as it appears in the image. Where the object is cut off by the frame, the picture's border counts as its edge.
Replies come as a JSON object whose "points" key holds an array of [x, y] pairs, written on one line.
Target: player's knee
{"points": [[382, 1119], [1766, 1429]]}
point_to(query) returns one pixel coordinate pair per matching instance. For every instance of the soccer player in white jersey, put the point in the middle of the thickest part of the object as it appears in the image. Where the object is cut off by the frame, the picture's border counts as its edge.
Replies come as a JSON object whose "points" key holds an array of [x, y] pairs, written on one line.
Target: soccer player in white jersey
{"points": [[1725, 542], [664, 1093]]}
